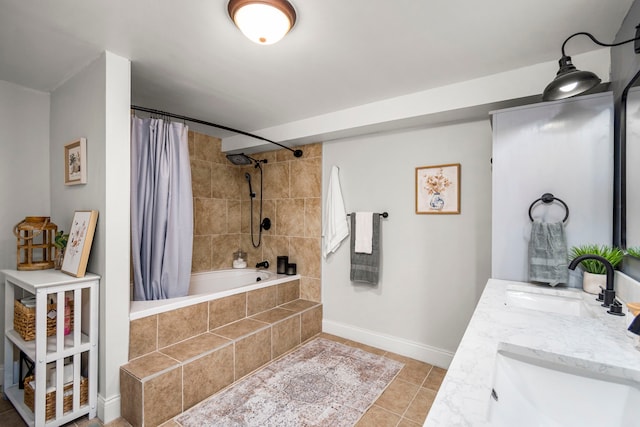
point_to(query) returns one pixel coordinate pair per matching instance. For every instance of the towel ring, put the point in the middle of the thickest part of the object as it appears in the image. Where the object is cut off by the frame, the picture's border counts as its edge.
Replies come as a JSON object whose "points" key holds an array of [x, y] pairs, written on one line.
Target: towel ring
{"points": [[549, 198]]}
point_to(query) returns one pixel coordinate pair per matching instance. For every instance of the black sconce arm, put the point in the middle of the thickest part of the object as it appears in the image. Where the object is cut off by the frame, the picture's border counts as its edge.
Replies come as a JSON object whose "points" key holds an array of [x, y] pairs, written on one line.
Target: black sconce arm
{"points": [[598, 42]]}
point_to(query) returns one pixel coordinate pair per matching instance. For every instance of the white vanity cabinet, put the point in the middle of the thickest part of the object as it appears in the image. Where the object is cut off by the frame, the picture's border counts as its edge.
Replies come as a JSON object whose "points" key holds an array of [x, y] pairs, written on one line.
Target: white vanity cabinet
{"points": [[79, 348]]}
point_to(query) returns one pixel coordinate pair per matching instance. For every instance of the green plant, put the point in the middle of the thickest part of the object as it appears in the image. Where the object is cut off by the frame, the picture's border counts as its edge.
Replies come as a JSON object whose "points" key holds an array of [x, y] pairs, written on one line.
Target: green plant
{"points": [[611, 254], [60, 240], [634, 251]]}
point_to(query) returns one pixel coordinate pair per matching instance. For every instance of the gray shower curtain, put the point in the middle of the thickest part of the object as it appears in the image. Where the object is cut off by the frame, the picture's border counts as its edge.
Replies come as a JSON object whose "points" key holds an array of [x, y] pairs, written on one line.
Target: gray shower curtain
{"points": [[161, 209]]}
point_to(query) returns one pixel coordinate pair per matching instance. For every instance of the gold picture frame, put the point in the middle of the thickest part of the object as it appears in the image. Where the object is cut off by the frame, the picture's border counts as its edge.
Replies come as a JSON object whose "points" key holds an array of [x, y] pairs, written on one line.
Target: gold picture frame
{"points": [[438, 189], [76, 254], [75, 162]]}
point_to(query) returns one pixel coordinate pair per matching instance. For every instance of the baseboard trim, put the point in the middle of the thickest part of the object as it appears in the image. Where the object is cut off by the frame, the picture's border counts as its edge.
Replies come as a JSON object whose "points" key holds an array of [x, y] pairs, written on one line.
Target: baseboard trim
{"points": [[432, 355], [108, 410]]}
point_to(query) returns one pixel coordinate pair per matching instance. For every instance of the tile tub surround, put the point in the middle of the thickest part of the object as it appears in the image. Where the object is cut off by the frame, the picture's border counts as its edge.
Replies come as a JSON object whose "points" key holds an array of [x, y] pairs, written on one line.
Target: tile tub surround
{"points": [[292, 200], [149, 332], [463, 399], [219, 342]]}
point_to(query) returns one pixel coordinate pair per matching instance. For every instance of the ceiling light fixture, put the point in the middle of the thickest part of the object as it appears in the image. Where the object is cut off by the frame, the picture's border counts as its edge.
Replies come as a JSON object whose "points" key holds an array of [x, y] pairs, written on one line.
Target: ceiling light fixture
{"points": [[263, 21], [570, 81]]}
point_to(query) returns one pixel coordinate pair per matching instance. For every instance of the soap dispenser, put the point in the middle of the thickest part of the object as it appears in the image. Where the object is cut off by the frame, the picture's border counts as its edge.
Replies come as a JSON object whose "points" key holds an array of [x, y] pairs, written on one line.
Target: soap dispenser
{"points": [[239, 259]]}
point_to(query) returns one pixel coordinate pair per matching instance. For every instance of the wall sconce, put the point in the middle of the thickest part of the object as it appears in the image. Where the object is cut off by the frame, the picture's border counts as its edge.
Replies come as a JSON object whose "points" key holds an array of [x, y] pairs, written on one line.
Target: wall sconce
{"points": [[263, 21], [570, 81]]}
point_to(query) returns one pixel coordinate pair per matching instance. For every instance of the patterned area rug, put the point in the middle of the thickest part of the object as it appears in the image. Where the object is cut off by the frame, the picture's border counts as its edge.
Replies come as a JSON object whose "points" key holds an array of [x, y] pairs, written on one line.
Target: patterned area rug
{"points": [[323, 383]]}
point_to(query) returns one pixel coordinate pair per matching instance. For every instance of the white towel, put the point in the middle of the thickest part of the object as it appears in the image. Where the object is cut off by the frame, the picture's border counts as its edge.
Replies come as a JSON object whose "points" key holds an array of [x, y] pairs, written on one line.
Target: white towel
{"points": [[335, 227], [364, 232]]}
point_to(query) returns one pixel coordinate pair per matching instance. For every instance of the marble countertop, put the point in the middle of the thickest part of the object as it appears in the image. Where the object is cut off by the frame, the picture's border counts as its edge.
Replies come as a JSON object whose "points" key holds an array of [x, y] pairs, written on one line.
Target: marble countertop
{"points": [[601, 343]]}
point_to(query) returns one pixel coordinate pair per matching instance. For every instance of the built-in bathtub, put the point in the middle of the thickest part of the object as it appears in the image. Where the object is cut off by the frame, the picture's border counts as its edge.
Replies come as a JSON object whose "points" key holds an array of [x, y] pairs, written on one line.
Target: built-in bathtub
{"points": [[184, 350], [208, 286]]}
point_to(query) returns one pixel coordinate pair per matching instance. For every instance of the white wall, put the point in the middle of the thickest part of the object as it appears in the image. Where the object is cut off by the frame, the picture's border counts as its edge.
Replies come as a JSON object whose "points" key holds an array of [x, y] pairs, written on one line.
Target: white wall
{"points": [[24, 167], [564, 148], [434, 267], [455, 101], [115, 294], [24, 162], [94, 104]]}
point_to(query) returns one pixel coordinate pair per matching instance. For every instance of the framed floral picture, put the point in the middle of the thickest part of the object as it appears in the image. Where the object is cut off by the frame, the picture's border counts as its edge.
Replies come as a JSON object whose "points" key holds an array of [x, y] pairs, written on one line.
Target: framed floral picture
{"points": [[75, 162], [76, 253], [438, 189]]}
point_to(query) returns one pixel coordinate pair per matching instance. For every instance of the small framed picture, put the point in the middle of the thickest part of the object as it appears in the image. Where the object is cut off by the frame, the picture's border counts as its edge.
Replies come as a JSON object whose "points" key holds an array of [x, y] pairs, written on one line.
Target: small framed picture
{"points": [[75, 162], [438, 189], [76, 254]]}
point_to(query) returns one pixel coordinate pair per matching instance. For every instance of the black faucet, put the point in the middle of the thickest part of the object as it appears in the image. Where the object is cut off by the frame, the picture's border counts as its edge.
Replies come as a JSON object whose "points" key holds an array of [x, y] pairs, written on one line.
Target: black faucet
{"points": [[263, 264], [608, 294]]}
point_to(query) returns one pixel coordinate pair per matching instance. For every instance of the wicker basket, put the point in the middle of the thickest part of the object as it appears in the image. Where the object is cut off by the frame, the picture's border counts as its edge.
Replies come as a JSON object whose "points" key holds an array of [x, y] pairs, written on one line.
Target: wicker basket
{"points": [[50, 399], [24, 320]]}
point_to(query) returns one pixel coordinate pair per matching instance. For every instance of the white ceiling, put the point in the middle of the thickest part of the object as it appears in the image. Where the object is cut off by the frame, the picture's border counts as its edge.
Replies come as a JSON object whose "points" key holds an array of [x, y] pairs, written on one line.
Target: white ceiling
{"points": [[188, 58]]}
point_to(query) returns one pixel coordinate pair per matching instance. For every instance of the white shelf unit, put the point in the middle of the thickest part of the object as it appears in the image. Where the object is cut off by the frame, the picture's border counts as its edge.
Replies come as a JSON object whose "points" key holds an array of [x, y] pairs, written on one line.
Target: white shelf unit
{"points": [[82, 340]]}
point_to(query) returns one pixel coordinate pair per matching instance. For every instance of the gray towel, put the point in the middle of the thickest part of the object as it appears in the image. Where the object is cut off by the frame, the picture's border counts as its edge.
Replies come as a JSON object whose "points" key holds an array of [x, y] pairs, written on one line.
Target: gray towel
{"points": [[366, 267], [548, 253]]}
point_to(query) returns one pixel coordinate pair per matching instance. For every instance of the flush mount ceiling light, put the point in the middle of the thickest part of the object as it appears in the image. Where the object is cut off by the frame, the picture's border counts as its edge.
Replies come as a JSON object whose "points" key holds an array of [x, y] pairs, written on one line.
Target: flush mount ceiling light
{"points": [[570, 81], [262, 21]]}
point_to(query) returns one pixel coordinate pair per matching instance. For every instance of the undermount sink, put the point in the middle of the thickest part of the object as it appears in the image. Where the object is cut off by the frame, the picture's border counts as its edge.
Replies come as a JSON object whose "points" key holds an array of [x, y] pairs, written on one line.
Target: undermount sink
{"points": [[553, 300], [541, 390]]}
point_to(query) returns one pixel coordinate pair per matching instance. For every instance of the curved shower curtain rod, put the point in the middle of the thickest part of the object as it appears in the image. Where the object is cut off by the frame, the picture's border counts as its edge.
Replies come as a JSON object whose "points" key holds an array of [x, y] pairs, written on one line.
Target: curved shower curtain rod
{"points": [[296, 153]]}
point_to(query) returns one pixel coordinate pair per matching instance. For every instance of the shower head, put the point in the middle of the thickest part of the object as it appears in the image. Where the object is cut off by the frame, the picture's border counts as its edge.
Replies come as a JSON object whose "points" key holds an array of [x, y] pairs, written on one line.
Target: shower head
{"points": [[244, 160], [248, 178], [239, 159]]}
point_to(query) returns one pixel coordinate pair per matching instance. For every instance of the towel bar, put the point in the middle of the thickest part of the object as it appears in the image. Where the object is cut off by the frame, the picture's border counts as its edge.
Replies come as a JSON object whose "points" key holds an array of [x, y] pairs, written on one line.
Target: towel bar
{"points": [[549, 198], [383, 214]]}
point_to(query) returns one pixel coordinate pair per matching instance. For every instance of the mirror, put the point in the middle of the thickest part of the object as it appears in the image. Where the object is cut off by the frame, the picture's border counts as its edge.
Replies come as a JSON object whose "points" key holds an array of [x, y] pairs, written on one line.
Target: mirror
{"points": [[632, 169]]}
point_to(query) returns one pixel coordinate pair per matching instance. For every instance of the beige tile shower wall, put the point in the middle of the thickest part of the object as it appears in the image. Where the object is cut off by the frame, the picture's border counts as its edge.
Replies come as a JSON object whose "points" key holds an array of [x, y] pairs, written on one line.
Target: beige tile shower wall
{"points": [[216, 204], [222, 210]]}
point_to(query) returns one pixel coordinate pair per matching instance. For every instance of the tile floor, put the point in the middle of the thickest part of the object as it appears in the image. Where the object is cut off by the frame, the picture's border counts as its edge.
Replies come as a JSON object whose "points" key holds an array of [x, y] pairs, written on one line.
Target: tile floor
{"points": [[405, 403], [407, 400], [9, 418]]}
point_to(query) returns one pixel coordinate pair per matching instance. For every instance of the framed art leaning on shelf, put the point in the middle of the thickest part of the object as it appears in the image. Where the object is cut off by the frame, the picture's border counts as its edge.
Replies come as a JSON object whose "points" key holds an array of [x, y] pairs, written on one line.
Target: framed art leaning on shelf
{"points": [[76, 254]]}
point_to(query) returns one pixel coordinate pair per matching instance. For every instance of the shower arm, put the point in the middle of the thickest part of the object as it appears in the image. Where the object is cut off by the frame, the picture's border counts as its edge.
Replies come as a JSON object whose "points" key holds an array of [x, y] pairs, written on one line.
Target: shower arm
{"points": [[296, 153]]}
